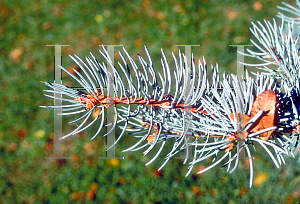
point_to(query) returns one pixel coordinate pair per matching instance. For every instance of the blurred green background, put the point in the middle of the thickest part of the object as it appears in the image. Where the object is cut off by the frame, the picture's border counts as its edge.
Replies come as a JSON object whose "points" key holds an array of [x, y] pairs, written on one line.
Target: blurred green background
{"points": [[26, 131]]}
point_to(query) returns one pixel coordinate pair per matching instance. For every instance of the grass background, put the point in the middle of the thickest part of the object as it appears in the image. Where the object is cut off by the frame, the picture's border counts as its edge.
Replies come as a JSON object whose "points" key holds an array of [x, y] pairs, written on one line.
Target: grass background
{"points": [[26, 131]]}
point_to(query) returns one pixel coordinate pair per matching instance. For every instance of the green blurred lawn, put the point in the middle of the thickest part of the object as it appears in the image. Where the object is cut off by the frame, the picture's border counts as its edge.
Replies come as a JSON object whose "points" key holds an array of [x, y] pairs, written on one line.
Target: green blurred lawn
{"points": [[26, 131]]}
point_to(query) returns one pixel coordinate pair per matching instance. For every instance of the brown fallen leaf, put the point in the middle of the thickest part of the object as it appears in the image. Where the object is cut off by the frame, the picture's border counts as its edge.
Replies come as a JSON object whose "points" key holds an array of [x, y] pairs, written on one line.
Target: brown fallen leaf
{"points": [[265, 101], [16, 54]]}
